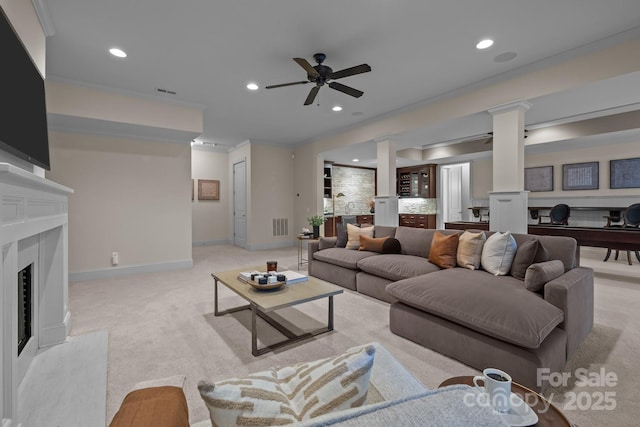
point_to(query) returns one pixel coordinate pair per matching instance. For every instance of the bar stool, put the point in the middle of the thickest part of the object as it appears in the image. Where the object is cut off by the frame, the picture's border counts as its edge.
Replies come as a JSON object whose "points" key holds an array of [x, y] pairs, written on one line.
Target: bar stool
{"points": [[558, 215], [631, 219]]}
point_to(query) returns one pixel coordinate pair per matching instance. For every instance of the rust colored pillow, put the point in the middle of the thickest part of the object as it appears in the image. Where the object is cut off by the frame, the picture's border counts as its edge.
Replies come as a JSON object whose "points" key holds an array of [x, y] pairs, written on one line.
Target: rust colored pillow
{"points": [[154, 406], [444, 248], [373, 244]]}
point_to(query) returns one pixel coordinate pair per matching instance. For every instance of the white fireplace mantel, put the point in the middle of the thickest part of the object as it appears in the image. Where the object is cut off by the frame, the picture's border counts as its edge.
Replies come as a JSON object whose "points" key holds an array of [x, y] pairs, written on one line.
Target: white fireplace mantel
{"points": [[31, 207]]}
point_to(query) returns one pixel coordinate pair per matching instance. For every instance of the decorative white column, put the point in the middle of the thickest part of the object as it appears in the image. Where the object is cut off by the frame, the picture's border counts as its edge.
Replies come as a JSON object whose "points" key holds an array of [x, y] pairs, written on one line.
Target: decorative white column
{"points": [[508, 201], [386, 199]]}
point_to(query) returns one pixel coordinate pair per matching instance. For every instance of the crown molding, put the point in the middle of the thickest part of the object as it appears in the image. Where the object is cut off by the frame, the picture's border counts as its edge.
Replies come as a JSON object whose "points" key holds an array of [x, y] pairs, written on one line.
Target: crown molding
{"points": [[44, 16]]}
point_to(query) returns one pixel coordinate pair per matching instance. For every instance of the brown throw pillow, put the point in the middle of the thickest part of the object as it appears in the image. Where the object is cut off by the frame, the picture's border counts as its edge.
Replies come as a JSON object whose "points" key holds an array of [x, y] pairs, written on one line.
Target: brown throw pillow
{"points": [[372, 244], [538, 275], [525, 256], [154, 406], [470, 249], [444, 249]]}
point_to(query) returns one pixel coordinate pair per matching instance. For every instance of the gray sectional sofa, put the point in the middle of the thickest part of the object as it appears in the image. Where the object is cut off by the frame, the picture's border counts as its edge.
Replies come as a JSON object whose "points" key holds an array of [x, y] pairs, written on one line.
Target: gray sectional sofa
{"points": [[470, 315]]}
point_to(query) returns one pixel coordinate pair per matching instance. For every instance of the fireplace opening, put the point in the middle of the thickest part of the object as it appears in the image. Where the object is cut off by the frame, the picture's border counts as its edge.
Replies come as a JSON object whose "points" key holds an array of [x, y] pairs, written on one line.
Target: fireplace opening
{"points": [[25, 305]]}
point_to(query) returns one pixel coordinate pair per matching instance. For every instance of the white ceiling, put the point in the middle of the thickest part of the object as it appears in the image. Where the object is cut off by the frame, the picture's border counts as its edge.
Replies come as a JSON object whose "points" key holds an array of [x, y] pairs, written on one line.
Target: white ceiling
{"points": [[207, 51]]}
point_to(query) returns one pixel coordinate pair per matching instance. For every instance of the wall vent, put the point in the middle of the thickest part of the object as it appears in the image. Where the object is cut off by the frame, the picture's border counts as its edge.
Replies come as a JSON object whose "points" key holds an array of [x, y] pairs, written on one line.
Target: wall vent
{"points": [[166, 91], [280, 227]]}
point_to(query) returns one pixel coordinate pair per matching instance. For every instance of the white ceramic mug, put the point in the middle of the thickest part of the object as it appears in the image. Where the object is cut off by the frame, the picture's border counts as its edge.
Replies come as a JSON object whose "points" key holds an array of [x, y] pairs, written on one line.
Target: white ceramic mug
{"points": [[497, 385]]}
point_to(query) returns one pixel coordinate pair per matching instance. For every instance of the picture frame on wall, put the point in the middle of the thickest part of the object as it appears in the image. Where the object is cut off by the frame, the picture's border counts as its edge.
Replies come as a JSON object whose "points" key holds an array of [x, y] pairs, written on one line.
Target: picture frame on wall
{"points": [[538, 178], [580, 176], [624, 173], [208, 189]]}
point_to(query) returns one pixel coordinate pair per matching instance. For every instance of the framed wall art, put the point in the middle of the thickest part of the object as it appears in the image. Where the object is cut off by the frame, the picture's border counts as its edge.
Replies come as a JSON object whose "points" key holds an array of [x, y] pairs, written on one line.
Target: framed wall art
{"points": [[624, 173], [580, 176], [538, 178], [208, 189]]}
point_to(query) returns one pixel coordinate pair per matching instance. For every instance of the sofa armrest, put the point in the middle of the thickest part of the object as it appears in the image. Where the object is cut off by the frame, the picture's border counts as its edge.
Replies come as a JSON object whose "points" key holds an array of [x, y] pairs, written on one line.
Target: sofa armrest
{"points": [[573, 294]]}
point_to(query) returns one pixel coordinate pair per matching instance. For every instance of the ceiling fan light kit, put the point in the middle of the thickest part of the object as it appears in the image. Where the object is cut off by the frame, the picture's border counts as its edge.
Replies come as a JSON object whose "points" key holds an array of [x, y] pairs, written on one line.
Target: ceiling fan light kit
{"points": [[322, 74]]}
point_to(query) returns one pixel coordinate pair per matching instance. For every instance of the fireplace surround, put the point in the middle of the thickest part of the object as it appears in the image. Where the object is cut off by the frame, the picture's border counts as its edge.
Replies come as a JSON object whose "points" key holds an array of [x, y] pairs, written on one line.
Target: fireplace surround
{"points": [[33, 231]]}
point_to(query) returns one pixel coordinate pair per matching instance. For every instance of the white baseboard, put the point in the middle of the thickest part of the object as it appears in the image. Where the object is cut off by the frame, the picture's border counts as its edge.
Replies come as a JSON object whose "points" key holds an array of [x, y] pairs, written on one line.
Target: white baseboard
{"points": [[110, 273], [211, 243]]}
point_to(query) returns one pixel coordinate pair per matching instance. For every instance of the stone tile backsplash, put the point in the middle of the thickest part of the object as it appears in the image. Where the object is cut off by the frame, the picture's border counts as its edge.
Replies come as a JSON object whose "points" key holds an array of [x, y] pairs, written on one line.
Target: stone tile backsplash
{"points": [[417, 206]]}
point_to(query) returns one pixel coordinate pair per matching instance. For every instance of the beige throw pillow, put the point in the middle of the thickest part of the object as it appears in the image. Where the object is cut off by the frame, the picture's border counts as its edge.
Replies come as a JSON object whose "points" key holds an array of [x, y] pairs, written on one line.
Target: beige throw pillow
{"points": [[498, 252], [291, 394], [470, 249], [354, 232]]}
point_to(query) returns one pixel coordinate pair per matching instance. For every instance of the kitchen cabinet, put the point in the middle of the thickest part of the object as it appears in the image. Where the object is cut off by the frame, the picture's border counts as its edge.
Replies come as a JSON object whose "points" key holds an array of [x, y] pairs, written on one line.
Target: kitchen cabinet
{"points": [[417, 220], [417, 181], [360, 220], [327, 181]]}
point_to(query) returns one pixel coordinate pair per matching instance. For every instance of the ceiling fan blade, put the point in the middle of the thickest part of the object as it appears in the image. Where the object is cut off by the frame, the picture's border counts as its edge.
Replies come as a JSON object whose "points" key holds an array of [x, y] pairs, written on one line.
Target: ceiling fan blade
{"points": [[312, 95], [346, 89], [358, 69], [286, 84], [305, 64]]}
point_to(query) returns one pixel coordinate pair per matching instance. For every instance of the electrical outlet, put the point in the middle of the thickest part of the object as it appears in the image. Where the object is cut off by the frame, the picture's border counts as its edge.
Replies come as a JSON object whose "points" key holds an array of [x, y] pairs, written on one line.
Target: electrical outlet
{"points": [[114, 258]]}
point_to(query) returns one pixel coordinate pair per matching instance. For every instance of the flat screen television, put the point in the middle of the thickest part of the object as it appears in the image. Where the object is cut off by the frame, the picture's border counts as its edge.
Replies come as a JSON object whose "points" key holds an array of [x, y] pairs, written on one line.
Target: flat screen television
{"points": [[23, 113]]}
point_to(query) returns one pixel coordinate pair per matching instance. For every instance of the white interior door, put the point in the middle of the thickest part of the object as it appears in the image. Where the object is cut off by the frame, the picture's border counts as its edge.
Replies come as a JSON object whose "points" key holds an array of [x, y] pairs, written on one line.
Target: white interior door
{"points": [[452, 193], [240, 204]]}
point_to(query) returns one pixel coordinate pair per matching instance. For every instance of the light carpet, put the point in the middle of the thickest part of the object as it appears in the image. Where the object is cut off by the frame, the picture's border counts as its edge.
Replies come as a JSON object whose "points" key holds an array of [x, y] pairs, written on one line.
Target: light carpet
{"points": [[163, 324], [66, 385]]}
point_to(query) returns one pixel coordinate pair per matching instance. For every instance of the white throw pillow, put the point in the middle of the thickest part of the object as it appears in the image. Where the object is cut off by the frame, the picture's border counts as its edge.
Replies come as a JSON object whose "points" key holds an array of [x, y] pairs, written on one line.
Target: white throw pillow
{"points": [[291, 394], [498, 252]]}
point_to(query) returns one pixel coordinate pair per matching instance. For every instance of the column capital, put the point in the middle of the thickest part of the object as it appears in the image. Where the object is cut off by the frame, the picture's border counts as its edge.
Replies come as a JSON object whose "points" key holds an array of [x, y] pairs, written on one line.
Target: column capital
{"points": [[517, 105]]}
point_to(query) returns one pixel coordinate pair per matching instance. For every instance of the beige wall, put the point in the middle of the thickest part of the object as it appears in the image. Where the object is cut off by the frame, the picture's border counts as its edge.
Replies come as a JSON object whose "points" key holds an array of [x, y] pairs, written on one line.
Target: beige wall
{"points": [[25, 22], [482, 170], [210, 224], [131, 196], [272, 192]]}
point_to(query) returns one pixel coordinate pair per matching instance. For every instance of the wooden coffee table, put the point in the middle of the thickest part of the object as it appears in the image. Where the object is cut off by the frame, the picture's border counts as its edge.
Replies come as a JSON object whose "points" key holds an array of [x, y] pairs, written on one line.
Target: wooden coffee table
{"points": [[263, 302], [548, 414]]}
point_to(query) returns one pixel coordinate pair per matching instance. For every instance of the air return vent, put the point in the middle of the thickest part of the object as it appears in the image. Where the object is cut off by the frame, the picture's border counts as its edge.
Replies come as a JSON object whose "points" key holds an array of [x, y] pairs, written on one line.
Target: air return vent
{"points": [[165, 91], [280, 227]]}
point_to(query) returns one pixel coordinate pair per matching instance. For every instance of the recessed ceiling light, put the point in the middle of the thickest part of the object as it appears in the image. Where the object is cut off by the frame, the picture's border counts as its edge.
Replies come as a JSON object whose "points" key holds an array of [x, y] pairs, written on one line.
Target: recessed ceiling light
{"points": [[337, 108], [355, 160], [117, 52], [252, 86], [483, 44]]}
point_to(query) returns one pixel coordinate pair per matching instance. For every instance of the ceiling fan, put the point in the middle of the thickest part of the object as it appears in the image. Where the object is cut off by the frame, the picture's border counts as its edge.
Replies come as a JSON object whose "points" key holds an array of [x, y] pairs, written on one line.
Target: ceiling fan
{"points": [[321, 74]]}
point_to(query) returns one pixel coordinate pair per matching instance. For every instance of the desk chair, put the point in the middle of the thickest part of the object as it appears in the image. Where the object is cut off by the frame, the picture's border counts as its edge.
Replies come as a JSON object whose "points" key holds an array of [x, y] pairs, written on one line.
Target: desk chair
{"points": [[558, 215], [631, 219]]}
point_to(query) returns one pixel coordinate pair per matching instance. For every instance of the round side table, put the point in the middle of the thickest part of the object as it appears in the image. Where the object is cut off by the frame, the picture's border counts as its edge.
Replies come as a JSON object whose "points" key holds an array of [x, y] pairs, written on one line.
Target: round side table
{"points": [[552, 416]]}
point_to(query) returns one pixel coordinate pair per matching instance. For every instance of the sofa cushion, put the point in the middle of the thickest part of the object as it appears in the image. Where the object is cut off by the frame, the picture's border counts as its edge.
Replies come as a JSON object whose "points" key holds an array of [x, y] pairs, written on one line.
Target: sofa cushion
{"points": [[291, 394], [342, 257], [444, 248], [396, 266], [354, 232], [525, 255], [373, 244], [384, 231], [537, 275], [415, 241], [498, 252], [470, 249], [498, 306]]}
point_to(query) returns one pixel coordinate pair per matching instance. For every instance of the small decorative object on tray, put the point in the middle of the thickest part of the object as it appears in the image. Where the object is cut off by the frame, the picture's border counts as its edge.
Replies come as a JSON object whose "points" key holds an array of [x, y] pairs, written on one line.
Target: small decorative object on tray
{"points": [[263, 281]]}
